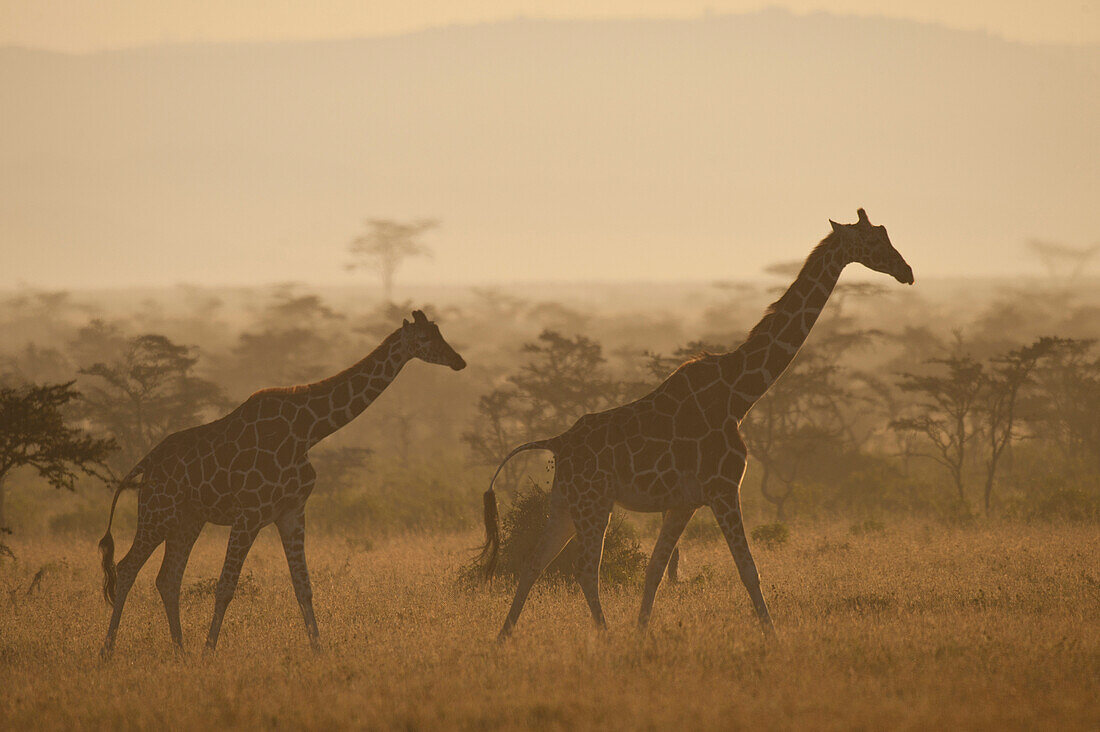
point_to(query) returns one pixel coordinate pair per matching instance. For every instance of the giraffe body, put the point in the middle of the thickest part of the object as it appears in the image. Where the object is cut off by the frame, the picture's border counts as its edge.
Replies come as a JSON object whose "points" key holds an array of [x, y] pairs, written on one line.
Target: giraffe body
{"points": [[679, 447], [247, 470]]}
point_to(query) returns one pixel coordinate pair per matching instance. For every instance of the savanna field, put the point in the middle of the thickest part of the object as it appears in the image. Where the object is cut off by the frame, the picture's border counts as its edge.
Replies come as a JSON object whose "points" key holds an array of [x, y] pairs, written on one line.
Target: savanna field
{"points": [[911, 625]]}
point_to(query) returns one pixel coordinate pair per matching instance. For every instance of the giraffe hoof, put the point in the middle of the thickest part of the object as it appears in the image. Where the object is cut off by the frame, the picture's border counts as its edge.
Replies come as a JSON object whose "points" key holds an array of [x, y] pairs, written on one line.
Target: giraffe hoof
{"points": [[105, 652]]}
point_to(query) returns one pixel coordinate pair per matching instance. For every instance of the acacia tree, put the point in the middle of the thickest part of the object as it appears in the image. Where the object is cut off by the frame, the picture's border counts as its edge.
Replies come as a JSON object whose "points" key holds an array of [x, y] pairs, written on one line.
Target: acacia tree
{"points": [[944, 413], [1067, 413], [794, 425], [291, 342], [1008, 375], [149, 392], [34, 434], [564, 379], [386, 245]]}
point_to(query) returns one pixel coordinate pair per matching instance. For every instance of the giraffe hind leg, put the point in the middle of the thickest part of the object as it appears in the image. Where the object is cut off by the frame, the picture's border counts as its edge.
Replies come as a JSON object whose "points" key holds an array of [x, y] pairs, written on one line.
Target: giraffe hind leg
{"points": [[241, 538], [671, 527], [177, 549], [590, 534], [146, 540], [558, 532]]}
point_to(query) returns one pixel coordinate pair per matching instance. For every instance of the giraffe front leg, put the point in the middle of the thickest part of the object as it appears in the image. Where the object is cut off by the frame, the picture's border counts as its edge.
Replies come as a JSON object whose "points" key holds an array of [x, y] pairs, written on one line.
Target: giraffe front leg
{"points": [[292, 531], [145, 541], [559, 530], [177, 549], [591, 529], [727, 510], [671, 527], [241, 537]]}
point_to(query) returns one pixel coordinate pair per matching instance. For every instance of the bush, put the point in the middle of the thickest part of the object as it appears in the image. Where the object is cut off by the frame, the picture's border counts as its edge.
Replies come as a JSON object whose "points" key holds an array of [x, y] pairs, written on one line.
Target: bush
{"points": [[522, 526], [771, 536]]}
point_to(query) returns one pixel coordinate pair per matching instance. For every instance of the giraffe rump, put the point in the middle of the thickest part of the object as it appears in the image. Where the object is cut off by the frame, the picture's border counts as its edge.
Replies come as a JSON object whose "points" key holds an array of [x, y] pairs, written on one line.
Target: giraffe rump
{"points": [[107, 543], [490, 550]]}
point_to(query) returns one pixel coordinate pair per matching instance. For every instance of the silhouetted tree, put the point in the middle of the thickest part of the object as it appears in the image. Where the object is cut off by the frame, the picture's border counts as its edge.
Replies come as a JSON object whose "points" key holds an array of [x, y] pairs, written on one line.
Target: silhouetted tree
{"points": [[291, 342], [386, 245], [944, 413], [34, 434], [337, 466], [1067, 413], [1009, 373], [794, 426], [564, 379], [148, 393]]}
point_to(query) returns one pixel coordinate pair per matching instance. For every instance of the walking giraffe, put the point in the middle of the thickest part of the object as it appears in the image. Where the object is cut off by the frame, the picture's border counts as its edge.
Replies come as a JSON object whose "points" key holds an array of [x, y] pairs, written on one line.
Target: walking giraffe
{"points": [[246, 470], [679, 448]]}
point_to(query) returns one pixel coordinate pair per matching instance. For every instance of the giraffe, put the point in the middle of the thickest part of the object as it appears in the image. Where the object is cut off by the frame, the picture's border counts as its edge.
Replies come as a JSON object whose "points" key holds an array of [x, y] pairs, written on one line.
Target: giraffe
{"points": [[679, 448], [246, 470]]}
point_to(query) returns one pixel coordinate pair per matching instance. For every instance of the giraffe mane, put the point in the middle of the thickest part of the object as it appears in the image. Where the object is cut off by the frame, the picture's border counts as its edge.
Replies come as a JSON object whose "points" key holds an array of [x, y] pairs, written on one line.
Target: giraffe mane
{"points": [[765, 321]]}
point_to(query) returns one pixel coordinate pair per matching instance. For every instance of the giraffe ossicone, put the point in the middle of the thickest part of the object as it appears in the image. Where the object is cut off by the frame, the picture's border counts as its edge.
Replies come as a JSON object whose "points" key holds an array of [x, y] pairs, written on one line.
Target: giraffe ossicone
{"points": [[679, 447], [247, 470]]}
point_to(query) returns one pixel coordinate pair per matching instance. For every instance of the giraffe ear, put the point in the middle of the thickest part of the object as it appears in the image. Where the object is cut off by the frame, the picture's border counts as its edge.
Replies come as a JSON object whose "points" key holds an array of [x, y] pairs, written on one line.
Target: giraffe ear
{"points": [[405, 323], [862, 216], [836, 226]]}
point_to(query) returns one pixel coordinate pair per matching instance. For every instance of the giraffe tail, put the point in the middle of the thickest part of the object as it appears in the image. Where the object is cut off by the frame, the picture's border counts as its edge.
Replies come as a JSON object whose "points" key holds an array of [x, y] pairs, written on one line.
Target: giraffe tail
{"points": [[490, 550], [107, 543]]}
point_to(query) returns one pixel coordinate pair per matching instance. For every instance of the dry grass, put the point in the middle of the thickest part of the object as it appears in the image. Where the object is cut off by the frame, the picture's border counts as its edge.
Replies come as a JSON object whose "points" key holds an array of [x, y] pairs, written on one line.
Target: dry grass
{"points": [[918, 628]]}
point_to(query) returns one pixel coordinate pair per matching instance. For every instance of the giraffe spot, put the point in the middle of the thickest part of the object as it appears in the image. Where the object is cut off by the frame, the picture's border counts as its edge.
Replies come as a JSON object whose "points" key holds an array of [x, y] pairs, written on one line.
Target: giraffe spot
{"points": [[253, 480], [303, 421], [664, 404], [242, 461], [265, 463], [731, 365], [711, 451], [269, 408], [792, 332], [690, 422], [650, 453], [285, 453], [752, 383], [685, 455], [755, 360], [704, 372], [677, 387], [224, 453]]}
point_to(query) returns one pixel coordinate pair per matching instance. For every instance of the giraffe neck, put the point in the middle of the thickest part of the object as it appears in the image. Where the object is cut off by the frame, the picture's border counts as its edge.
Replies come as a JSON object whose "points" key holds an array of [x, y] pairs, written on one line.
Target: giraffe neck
{"points": [[339, 399], [776, 339]]}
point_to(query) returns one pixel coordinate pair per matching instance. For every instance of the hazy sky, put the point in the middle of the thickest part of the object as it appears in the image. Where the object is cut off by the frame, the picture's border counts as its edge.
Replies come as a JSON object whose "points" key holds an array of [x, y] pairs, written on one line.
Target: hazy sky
{"points": [[82, 25]]}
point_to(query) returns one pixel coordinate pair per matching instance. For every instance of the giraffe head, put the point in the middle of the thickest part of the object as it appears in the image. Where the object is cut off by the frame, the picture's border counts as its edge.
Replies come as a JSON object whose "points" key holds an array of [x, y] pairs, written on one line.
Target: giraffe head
{"points": [[422, 339], [870, 246]]}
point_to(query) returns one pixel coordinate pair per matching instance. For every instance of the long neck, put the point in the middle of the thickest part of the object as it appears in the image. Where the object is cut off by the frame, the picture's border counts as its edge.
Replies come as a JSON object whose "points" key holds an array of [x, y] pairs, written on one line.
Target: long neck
{"points": [[774, 342], [339, 399]]}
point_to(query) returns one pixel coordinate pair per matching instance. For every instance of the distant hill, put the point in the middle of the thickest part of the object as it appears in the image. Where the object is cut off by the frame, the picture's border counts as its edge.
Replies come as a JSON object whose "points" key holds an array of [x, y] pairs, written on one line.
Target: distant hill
{"points": [[551, 150]]}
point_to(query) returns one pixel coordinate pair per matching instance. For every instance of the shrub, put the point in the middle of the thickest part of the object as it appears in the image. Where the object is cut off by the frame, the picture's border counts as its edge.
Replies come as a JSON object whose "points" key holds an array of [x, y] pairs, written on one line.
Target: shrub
{"points": [[522, 526], [771, 536]]}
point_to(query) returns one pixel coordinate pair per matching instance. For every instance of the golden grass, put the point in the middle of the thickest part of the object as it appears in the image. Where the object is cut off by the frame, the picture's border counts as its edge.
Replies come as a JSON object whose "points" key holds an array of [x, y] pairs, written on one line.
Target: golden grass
{"points": [[923, 627]]}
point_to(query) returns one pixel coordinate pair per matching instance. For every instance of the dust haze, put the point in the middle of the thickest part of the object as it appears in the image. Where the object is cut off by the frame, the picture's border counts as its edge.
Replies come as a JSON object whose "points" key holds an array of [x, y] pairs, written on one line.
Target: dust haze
{"points": [[449, 241]]}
